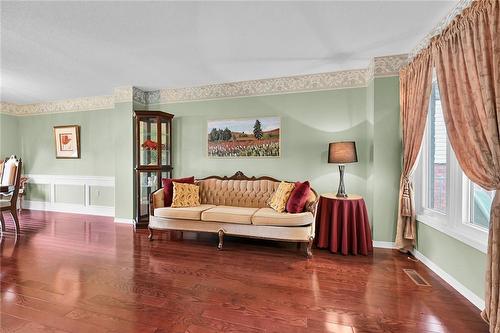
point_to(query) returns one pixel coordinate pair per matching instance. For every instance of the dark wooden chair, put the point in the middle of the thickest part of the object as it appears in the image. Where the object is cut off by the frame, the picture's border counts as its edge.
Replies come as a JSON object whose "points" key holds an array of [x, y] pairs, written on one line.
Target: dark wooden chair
{"points": [[10, 181]]}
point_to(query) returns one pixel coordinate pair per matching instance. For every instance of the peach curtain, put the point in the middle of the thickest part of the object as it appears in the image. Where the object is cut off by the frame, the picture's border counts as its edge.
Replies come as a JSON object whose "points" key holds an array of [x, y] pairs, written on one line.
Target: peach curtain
{"points": [[415, 89], [467, 59]]}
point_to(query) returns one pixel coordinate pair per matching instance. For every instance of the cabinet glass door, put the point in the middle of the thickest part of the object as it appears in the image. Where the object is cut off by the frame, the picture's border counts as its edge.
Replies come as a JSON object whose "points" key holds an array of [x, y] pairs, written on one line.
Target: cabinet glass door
{"points": [[148, 141], [166, 156], [148, 183]]}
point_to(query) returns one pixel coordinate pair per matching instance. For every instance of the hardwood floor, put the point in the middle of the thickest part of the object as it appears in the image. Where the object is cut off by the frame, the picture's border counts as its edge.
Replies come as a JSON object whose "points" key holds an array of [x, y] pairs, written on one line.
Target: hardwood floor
{"points": [[79, 273]]}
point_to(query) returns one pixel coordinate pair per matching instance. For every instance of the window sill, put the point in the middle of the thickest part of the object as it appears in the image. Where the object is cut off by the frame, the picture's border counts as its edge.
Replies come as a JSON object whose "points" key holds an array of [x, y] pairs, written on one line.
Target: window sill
{"points": [[441, 226]]}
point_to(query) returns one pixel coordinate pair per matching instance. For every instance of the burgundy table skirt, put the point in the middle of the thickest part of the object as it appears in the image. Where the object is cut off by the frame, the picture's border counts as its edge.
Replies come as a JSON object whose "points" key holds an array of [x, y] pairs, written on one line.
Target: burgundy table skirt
{"points": [[342, 226]]}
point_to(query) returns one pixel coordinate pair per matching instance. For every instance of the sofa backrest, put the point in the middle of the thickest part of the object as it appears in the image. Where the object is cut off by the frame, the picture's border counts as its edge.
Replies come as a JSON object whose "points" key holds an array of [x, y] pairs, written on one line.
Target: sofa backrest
{"points": [[241, 193], [240, 190]]}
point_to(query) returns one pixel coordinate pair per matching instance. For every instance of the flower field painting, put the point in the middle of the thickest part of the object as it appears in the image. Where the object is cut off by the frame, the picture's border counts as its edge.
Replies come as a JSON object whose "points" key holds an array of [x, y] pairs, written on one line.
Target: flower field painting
{"points": [[250, 137]]}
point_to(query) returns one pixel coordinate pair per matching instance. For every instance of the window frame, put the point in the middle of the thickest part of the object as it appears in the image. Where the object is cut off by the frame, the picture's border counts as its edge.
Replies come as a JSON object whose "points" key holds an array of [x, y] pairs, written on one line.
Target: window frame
{"points": [[456, 221]]}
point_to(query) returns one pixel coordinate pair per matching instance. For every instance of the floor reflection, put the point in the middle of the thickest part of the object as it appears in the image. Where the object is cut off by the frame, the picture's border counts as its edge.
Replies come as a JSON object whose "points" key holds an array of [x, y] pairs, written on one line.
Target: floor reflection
{"points": [[78, 273]]}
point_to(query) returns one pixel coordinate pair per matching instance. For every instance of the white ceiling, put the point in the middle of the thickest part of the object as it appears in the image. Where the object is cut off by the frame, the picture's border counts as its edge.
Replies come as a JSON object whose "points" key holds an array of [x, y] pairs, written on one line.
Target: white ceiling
{"points": [[59, 50]]}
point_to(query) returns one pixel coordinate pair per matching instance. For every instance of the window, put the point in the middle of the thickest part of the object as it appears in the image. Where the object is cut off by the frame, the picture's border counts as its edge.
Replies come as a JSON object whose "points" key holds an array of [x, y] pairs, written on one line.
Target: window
{"points": [[446, 199], [437, 155], [481, 206]]}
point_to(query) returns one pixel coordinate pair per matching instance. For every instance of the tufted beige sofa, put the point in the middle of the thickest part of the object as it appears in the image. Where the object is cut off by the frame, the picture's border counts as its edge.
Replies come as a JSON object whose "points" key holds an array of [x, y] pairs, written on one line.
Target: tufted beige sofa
{"points": [[236, 206]]}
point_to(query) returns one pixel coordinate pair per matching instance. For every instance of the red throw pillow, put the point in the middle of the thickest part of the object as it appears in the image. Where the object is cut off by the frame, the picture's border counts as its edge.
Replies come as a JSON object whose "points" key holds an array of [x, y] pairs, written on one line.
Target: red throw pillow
{"points": [[298, 198], [168, 187]]}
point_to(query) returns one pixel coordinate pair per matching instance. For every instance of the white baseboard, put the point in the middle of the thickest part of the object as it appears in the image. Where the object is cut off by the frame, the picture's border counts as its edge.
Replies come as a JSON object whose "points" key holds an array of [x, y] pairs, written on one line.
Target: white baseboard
{"points": [[463, 290], [384, 245], [124, 221], [69, 208]]}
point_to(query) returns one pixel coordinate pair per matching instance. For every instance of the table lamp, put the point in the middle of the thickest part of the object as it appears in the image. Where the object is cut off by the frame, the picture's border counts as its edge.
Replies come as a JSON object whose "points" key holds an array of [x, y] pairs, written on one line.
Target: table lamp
{"points": [[342, 153]]}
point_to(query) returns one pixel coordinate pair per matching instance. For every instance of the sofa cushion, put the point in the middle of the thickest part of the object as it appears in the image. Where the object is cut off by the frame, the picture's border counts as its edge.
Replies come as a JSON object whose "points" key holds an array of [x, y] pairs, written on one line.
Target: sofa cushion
{"points": [[229, 214], [168, 188], [185, 195], [298, 198], [184, 213], [268, 216], [280, 197]]}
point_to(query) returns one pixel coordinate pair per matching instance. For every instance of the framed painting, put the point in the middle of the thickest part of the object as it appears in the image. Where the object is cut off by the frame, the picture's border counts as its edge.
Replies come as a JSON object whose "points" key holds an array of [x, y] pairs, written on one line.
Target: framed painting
{"points": [[242, 138], [67, 140]]}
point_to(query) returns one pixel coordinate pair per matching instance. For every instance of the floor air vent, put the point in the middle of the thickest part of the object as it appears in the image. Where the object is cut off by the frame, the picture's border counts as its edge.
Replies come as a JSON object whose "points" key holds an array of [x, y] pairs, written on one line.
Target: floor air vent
{"points": [[416, 278]]}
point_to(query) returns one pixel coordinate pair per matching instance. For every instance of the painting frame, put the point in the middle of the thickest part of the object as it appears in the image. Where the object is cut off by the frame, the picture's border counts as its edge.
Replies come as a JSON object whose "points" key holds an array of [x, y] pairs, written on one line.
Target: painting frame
{"points": [[67, 141], [278, 141]]}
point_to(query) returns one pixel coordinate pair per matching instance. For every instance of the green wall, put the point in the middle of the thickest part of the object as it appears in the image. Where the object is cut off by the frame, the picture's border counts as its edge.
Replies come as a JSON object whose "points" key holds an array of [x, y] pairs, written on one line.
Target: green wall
{"points": [[309, 122], [106, 150], [97, 131], [387, 150], [466, 264], [9, 139], [124, 160]]}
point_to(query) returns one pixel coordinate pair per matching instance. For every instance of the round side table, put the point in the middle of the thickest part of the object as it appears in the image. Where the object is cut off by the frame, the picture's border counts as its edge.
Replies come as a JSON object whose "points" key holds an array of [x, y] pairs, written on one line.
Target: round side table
{"points": [[342, 225]]}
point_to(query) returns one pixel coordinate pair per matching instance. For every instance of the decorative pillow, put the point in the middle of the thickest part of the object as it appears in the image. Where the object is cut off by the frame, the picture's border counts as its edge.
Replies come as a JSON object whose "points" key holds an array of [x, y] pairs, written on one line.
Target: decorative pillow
{"points": [[280, 197], [168, 188], [298, 197], [185, 195]]}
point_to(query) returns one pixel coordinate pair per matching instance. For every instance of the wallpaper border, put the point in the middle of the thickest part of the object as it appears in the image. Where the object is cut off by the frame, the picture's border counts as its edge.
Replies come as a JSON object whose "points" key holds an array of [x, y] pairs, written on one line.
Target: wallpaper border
{"points": [[356, 78]]}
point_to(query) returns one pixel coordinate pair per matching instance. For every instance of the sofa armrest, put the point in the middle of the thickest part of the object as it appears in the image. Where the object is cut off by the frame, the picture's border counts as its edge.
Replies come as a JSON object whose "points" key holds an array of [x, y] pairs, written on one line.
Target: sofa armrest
{"points": [[156, 200], [312, 206]]}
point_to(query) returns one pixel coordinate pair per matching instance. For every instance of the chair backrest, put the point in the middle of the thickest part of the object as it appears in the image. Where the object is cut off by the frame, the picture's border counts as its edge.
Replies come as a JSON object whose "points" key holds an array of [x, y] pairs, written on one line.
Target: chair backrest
{"points": [[12, 175], [10, 167], [2, 163]]}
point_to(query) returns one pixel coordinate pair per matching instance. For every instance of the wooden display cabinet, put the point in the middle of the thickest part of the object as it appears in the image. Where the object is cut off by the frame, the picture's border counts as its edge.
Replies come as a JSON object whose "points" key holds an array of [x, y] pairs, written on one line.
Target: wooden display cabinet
{"points": [[153, 158]]}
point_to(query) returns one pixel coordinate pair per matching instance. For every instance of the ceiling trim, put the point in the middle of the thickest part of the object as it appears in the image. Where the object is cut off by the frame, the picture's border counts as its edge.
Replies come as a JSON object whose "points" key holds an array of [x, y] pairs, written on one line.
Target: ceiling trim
{"points": [[379, 67], [68, 105], [290, 84], [356, 78]]}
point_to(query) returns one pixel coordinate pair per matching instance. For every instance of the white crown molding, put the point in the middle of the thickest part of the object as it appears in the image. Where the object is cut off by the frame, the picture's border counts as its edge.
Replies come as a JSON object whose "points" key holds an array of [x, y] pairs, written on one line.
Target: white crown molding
{"points": [[379, 67], [460, 6]]}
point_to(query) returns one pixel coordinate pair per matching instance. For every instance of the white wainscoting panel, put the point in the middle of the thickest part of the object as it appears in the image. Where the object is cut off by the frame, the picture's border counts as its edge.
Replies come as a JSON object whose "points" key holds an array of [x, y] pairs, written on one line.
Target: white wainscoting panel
{"points": [[85, 181]]}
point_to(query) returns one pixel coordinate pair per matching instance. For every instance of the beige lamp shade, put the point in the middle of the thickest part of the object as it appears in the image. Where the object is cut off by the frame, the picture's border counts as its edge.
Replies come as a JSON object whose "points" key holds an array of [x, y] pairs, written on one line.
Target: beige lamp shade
{"points": [[342, 152]]}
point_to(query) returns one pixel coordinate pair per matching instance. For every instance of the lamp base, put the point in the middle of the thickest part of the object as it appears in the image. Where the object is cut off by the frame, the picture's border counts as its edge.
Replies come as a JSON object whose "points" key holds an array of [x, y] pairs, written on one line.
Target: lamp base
{"points": [[341, 191]]}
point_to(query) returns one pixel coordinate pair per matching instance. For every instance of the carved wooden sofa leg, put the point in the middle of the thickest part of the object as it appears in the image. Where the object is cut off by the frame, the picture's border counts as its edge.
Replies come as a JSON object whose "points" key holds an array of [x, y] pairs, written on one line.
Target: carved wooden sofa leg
{"points": [[221, 239], [309, 247], [150, 237]]}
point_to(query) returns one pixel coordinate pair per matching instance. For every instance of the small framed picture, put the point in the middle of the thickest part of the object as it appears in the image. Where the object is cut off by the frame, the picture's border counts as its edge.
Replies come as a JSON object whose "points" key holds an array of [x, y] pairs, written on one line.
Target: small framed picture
{"points": [[67, 139]]}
